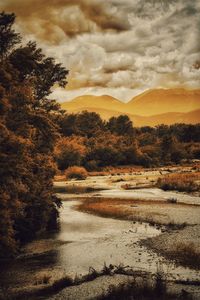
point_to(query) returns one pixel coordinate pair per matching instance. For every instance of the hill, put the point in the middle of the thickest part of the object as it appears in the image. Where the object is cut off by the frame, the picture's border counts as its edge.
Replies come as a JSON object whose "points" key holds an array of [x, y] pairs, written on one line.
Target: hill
{"points": [[164, 100], [152, 107], [95, 102]]}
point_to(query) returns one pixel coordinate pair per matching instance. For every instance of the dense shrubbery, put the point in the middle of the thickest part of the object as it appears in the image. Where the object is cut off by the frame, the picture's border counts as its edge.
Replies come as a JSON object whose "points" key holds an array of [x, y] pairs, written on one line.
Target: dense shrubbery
{"points": [[93, 143], [27, 137]]}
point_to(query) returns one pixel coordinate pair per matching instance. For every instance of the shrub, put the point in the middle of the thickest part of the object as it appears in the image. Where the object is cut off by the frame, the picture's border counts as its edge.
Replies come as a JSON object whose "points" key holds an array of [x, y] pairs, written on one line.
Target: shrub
{"points": [[76, 172], [189, 253], [180, 182]]}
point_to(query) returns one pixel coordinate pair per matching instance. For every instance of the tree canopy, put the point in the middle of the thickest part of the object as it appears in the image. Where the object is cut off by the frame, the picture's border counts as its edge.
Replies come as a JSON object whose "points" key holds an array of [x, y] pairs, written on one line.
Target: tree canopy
{"points": [[27, 137], [116, 142]]}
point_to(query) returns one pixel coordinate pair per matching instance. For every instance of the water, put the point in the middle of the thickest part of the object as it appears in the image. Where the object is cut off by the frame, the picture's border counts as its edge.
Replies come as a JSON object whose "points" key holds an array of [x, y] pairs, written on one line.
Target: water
{"points": [[86, 241]]}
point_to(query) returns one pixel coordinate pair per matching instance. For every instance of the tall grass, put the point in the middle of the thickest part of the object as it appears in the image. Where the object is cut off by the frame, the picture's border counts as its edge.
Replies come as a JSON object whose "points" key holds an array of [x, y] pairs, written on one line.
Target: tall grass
{"points": [[188, 253]]}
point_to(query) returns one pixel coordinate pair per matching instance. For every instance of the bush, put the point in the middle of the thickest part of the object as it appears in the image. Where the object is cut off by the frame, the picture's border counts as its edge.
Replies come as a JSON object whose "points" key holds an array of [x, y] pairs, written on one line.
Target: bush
{"points": [[179, 182], [189, 253], [76, 172]]}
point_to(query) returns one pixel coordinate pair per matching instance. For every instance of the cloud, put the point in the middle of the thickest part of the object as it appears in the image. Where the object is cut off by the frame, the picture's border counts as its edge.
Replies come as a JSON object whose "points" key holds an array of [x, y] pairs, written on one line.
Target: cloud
{"points": [[120, 93], [53, 20], [118, 47]]}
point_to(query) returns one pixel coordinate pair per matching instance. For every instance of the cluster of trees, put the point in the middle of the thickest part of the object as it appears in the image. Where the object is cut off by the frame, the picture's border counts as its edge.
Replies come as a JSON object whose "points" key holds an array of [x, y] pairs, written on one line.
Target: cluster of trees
{"points": [[90, 142], [28, 132], [86, 140]]}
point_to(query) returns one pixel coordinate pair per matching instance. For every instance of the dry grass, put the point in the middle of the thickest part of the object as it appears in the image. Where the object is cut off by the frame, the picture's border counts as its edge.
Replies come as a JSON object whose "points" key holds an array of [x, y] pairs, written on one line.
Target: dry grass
{"points": [[144, 292], [106, 172], [117, 170], [188, 253], [42, 279], [186, 182], [109, 208], [154, 288], [129, 209]]}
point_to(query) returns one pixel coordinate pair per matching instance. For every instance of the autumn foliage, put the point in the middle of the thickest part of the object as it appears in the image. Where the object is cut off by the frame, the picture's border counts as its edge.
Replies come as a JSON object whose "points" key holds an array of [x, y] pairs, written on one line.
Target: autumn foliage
{"points": [[89, 141], [76, 173], [27, 136]]}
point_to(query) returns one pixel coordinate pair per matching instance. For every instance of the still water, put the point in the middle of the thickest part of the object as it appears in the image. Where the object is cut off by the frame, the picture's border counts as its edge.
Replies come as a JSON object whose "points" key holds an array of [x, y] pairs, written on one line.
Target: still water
{"points": [[85, 241]]}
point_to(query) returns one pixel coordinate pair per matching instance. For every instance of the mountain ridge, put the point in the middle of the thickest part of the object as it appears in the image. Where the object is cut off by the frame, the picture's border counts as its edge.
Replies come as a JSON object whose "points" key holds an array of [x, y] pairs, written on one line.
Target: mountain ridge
{"points": [[152, 106]]}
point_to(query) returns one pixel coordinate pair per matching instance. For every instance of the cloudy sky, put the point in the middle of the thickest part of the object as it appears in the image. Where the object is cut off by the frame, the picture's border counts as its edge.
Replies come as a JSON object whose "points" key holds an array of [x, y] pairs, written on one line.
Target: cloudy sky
{"points": [[115, 47]]}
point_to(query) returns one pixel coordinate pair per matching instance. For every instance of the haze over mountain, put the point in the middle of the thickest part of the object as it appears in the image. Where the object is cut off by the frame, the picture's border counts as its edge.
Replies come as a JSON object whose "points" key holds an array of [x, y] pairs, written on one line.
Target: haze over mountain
{"points": [[152, 107]]}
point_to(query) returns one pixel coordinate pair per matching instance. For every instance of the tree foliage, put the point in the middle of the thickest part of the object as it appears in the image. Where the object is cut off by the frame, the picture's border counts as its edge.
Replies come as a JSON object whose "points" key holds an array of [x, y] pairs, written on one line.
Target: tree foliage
{"points": [[120, 125], [27, 136], [117, 142]]}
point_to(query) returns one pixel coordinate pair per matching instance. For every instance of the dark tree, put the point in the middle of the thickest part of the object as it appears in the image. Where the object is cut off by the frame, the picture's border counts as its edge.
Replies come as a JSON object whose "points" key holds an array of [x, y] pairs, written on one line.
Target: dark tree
{"points": [[27, 137], [68, 124], [121, 125], [89, 124]]}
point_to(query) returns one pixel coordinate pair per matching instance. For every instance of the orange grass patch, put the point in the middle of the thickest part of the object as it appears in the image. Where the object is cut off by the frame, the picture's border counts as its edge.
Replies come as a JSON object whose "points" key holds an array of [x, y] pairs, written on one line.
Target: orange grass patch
{"points": [[185, 182], [125, 209]]}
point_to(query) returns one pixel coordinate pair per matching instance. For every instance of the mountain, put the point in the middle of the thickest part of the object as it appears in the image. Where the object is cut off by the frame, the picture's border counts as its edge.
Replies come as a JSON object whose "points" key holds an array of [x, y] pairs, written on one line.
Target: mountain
{"points": [[153, 107], [95, 102], [192, 117], [160, 101]]}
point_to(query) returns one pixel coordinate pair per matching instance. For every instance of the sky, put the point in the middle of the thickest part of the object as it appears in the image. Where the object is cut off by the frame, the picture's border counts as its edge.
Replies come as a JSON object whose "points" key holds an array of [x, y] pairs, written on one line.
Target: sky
{"points": [[115, 47]]}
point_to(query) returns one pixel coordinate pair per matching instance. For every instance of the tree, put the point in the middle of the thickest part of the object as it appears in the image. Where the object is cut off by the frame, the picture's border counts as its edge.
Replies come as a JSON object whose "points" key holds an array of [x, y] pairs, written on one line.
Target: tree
{"points": [[8, 37], [88, 124], [27, 137], [171, 149], [121, 125], [69, 152], [68, 124]]}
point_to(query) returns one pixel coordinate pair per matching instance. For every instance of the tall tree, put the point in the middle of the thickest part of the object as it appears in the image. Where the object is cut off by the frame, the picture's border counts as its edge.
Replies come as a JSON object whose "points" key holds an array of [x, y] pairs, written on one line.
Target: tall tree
{"points": [[27, 136]]}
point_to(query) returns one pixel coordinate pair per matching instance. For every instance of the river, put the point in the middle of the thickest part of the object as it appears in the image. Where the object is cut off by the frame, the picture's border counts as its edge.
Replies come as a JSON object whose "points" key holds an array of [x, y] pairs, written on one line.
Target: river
{"points": [[85, 241]]}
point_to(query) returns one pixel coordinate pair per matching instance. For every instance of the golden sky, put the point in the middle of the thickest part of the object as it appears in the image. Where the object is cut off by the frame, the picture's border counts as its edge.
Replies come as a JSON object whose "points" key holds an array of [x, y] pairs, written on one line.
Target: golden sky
{"points": [[115, 47]]}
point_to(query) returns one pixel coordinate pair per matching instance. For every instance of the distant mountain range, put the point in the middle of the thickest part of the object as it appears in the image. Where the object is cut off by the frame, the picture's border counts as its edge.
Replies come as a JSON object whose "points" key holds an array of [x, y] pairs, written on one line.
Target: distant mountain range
{"points": [[153, 107]]}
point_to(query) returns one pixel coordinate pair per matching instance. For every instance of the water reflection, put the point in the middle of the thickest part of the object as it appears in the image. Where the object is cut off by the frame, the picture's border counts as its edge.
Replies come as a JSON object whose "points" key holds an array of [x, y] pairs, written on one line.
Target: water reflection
{"points": [[86, 240]]}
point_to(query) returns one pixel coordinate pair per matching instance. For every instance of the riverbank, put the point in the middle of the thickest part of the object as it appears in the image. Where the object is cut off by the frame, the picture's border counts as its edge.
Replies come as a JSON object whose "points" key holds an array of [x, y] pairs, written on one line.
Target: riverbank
{"points": [[60, 262], [135, 230], [179, 222]]}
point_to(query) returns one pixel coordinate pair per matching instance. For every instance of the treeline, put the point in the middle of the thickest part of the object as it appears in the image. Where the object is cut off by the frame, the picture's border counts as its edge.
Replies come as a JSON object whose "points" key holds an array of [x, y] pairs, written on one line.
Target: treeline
{"points": [[28, 132], [86, 140]]}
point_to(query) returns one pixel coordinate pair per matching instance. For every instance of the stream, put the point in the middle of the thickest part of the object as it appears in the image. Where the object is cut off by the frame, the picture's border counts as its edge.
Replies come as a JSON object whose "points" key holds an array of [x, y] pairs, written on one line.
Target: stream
{"points": [[85, 241]]}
